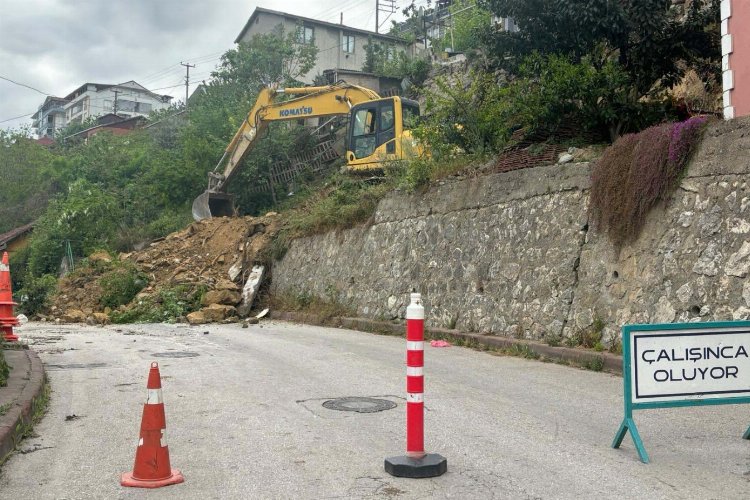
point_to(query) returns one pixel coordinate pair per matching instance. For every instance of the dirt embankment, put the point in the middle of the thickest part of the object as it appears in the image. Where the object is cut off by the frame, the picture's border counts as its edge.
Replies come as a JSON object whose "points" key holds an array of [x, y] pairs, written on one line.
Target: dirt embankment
{"points": [[214, 256]]}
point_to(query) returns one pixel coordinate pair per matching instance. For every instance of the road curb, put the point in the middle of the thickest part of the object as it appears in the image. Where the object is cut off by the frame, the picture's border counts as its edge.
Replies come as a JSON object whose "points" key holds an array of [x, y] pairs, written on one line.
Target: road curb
{"points": [[25, 388], [607, 362]]}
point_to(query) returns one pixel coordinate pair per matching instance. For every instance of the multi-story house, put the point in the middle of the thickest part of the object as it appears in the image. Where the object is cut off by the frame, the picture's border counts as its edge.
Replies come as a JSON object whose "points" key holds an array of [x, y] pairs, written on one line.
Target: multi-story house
{"points": [[340, 47], [50, 117], [125, 100]]}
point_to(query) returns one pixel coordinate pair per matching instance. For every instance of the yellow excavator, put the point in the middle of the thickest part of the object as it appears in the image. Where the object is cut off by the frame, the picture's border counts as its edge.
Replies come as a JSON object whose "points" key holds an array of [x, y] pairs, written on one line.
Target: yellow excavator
{"points": [[377, 133]]}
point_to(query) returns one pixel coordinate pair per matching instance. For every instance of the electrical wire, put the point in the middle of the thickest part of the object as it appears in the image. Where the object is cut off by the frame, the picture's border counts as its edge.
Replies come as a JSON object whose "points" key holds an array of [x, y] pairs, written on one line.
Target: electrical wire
{"points": [[24, 85]]}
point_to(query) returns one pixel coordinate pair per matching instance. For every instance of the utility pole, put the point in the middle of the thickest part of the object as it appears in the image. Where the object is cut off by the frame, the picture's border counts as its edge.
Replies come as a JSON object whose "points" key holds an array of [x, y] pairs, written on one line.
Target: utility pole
{"points": [[114, 108], [385, 6], [187, 80]]}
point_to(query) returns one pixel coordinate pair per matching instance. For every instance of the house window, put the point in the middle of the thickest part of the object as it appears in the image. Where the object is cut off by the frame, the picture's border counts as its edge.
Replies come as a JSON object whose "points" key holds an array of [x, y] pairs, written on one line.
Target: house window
{"points": [[143, 107], [108, 105], [305, 34], [347, 43]]}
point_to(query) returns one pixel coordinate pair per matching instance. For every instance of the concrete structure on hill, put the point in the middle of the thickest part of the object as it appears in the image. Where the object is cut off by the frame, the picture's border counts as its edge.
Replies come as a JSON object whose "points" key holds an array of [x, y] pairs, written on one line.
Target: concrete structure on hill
{"points": [[50, 117], [126, 100], [340, 47]]}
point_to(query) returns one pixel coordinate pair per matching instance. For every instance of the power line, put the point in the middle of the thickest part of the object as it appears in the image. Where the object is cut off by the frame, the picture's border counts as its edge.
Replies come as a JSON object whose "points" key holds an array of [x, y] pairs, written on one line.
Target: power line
{"points": [[17, 117], [24, 85]]}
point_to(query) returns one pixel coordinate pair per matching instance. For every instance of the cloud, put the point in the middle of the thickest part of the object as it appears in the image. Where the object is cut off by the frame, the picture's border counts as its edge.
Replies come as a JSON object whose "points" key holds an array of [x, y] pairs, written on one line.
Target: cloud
{"points": [[58, 45]]}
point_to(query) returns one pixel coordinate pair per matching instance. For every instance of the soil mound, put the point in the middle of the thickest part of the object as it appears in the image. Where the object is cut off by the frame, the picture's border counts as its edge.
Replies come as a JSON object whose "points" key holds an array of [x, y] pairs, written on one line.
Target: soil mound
{"points": [[210, 255]]}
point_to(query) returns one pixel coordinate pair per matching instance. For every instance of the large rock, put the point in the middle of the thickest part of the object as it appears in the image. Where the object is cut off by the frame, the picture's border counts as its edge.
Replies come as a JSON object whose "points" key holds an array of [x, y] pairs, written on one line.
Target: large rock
{"points": [[225, 297], [211, 314], [101, 318], [197, 318], [223, 284], [100, 256], [74, 316]]}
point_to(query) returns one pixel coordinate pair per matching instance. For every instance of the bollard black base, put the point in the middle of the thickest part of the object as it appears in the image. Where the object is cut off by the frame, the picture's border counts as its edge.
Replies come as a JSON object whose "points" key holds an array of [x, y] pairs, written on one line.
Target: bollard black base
{"points": [[430, 465]]}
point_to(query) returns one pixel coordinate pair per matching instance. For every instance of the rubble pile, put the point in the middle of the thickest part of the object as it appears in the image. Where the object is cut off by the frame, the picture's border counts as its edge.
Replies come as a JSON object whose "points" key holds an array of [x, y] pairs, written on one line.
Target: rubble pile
{"points": [[216, 255]]}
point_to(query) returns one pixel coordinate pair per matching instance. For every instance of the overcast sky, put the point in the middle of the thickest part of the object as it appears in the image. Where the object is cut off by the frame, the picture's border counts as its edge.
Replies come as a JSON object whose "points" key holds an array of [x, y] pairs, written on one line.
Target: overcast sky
{"points": [[55, 46]]}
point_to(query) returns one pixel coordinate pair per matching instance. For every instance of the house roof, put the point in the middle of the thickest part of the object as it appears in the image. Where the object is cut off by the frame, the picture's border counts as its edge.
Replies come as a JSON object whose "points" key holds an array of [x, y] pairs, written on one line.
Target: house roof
{"points": [[109, 123], [105, 86], [45, 141], [47, 101], [11, 235], [261, 10]]}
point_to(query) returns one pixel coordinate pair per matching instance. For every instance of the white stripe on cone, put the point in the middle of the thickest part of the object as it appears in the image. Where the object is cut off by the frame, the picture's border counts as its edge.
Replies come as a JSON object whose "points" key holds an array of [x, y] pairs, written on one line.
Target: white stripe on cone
{"points": [[414, 371], [414, 397], [412, 345], [154, 397]]}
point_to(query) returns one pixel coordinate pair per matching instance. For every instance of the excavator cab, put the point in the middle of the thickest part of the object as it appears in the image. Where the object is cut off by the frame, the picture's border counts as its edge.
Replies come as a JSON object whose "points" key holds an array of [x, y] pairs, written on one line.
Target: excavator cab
{"points": [[379, 132]]}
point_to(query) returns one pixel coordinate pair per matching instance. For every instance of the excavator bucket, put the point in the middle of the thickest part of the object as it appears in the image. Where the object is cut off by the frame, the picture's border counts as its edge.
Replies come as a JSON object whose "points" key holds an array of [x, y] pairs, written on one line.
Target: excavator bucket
{"points": [[210, 204]]}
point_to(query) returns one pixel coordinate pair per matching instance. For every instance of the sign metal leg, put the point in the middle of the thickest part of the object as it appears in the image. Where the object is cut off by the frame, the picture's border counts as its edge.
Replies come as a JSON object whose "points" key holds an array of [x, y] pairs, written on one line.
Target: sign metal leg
{"points": [[628, 424]]}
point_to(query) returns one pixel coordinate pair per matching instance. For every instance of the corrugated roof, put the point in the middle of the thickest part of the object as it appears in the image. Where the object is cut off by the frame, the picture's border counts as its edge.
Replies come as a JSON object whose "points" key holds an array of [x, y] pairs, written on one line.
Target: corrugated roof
{"points": [[11, 235]]}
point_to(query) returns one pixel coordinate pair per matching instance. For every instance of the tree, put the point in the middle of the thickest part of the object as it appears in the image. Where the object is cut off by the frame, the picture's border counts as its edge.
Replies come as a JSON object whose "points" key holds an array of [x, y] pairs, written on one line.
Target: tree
{"points": [[467, 20], [646, 37], [26, 188], [270, 58], [86, 217]]}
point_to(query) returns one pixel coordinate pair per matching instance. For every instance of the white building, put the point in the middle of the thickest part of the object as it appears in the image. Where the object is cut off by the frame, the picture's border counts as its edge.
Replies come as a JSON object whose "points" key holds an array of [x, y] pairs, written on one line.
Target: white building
{"points": [[126, 100], [50, 117]]}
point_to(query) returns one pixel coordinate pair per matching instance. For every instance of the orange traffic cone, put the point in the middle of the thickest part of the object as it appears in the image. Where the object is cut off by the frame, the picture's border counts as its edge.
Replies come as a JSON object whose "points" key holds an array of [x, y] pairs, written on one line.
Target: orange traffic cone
{"points": [[7, 318], [152, 469]]}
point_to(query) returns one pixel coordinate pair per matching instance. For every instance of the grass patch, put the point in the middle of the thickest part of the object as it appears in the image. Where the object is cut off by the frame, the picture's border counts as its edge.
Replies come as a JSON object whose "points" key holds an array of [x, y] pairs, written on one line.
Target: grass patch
{"points": [[4, 367], [521, 351], [324, 308], [590, 338], [4, 408], [26, 429], [596, 364], [345, 201]]}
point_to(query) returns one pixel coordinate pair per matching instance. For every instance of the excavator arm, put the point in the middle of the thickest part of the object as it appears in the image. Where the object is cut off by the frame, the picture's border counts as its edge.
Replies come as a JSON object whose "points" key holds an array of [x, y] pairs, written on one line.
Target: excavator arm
{"points": [[308, 102]]}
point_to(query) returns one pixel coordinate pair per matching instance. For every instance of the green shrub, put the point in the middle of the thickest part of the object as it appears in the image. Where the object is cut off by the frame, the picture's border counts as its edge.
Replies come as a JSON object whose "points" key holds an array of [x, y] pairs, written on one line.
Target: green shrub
{"points": [[34, 296], [167, 305], [121, 285]]}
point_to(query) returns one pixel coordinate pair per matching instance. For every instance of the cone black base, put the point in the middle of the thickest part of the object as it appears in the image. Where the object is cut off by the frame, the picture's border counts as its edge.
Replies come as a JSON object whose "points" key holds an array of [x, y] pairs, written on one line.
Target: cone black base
{"points": [[430, 465]]}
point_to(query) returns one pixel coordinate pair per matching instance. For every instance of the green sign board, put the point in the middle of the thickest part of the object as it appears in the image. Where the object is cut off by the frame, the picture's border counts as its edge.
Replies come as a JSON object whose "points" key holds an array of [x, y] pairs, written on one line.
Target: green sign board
{"points": [[683, 364]]}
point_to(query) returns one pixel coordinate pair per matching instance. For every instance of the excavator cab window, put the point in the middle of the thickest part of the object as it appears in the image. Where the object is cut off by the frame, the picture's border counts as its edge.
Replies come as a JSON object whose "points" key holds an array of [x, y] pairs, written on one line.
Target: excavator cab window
{"points": [[373, 125]]}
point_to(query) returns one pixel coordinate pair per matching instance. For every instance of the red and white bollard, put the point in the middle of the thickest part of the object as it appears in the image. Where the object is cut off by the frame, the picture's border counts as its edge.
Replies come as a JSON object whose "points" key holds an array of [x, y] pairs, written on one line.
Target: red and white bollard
{"points": [[416, 463]]}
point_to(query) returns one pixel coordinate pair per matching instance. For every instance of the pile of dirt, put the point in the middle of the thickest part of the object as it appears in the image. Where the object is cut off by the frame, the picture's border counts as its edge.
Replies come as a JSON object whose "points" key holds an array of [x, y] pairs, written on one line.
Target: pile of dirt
{"points": [[213, 255]]}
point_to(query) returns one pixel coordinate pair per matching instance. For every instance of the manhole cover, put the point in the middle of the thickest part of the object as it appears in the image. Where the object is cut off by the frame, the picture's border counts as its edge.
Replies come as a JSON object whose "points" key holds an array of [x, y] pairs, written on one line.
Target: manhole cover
{"points": [[360, 405], [176, 354]]}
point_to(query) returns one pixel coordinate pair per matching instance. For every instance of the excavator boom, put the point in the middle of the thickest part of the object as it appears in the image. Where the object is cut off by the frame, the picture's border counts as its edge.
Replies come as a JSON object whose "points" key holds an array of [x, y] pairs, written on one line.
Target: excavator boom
{"points": [[376, 133], [308, 102]]}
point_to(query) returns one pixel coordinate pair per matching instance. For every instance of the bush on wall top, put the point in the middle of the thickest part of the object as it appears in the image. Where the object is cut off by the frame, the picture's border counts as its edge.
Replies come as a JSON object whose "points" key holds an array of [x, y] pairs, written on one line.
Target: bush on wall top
{"points": [[636, 173]]}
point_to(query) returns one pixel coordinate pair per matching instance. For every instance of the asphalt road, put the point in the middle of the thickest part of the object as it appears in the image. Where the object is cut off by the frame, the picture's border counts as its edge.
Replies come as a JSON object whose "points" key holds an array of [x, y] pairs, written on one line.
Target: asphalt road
{"points": [[245, 420]]}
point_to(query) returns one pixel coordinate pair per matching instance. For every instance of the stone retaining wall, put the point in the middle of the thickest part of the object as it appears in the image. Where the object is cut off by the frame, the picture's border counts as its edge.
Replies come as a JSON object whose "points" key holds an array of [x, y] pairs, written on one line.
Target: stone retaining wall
{"points": [[512, 254]]}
